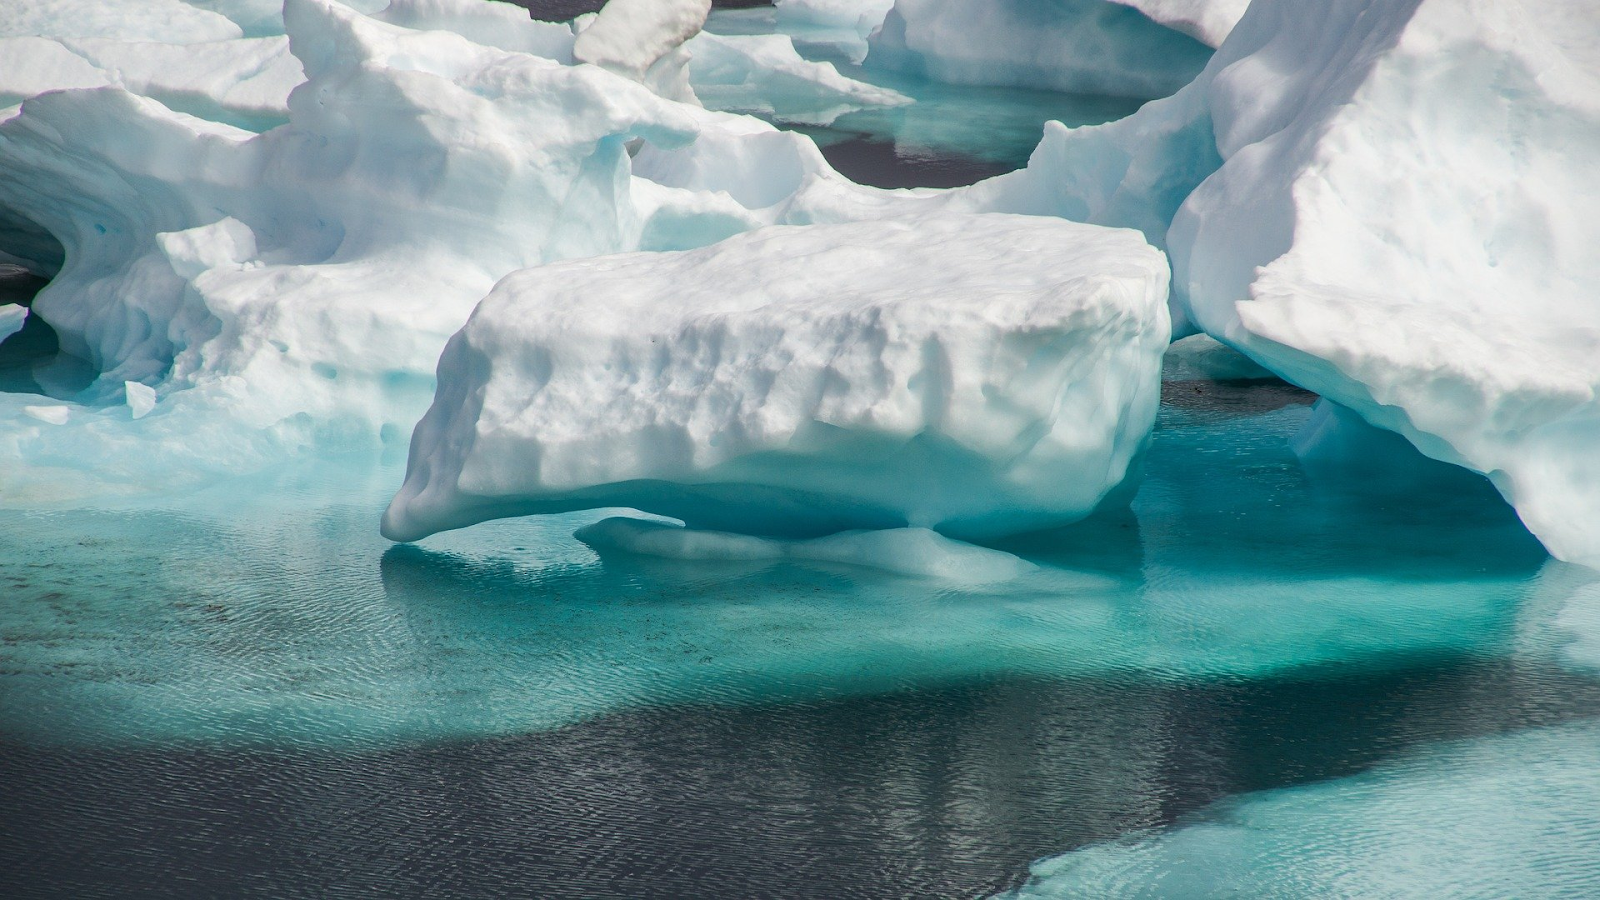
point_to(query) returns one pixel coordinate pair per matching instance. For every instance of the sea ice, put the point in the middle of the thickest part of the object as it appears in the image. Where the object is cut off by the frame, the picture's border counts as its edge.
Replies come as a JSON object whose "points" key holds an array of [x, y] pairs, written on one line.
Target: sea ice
{"points": [[1207, 21], [1512, 815], [643, 40], [977, 375], [12, 318], [1077, 46]]}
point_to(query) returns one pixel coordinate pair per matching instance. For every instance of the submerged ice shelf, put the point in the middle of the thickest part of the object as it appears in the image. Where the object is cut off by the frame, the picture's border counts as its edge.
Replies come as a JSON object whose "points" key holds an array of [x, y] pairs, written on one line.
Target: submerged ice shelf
{"points": [[265, 610]]}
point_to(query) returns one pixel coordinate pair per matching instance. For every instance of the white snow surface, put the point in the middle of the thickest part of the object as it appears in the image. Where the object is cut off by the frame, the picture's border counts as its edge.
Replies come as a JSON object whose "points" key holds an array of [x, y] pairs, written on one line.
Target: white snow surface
{"points": [[642, 39], [1078, 46], [166, 21], [976, 375], [295, 287]]}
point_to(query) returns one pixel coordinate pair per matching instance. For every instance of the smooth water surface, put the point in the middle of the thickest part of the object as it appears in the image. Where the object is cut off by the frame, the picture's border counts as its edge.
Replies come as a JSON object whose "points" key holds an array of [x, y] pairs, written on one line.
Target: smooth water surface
{"points": [[246, 691]]}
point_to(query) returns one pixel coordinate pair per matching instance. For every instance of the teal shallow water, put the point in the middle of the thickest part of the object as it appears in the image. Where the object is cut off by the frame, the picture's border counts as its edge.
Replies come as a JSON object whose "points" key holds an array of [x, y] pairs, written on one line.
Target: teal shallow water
{"points": [[252, 666], [270, 610]]}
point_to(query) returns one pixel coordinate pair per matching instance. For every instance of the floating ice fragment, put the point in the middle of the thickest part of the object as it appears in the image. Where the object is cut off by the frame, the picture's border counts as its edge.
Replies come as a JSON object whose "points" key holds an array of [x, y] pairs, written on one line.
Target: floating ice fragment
{"points": [[904, 551], [141, 398]]}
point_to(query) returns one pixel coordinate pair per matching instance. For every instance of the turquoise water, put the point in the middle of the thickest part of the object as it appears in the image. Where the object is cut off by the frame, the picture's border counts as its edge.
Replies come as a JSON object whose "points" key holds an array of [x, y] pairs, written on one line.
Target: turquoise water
{"points": [[1260, 679], [1255, 662]]}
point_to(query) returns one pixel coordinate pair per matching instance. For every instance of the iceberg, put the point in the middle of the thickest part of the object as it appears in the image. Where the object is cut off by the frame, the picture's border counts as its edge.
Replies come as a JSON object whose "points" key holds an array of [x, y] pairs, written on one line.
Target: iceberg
{"points": [[1404, 222], [1076, 46], [974, 375], [1207, 21]]}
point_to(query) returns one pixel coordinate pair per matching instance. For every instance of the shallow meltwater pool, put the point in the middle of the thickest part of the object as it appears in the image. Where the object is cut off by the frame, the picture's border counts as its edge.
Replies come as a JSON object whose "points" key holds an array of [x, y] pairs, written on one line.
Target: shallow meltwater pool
{"points": [[246, 691]]}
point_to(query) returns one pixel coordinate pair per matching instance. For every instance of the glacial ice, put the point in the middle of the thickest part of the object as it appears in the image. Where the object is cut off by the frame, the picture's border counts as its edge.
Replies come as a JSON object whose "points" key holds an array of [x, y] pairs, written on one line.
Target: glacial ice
{"points": [[1077, 46], [643, 40], [1510, 815], [977, 375], [1207, 21], [902, 551], [302, 281], [765, 75], [1406, 225], [12, 318]]}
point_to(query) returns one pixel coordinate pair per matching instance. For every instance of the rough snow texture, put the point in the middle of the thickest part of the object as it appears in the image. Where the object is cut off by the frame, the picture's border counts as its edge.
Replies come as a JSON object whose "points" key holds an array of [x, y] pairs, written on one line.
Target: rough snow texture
{"points": [[903, 551], [1080, 46], [303, 280], [642, 39], [1207, 21], [977, 375]]}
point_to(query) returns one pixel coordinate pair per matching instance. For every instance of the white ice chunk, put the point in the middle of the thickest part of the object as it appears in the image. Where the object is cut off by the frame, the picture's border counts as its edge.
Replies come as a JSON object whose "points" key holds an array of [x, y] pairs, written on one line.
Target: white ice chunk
{"points": [[904, 551], [53, 414], [168, 21], [12, 318], [1080, 46], [643, 40], [977, 375], [295, 287], [1207, 21], [141, 398]]}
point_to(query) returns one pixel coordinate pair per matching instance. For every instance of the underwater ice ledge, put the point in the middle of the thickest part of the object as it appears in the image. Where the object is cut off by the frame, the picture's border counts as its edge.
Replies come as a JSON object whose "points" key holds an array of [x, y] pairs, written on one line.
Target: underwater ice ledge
{"points": [[266, 610]]}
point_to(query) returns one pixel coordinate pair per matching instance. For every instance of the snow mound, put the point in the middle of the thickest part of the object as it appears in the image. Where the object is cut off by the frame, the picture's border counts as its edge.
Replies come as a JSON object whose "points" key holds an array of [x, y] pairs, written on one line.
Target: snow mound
{"points": [[976, 375], [1078, 46], [903, 551]]}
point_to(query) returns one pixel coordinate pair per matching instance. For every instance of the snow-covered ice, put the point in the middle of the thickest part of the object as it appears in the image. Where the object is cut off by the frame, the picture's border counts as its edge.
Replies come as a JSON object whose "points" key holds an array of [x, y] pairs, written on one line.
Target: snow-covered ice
{"points": [[977, 375], [1207, 21]]}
